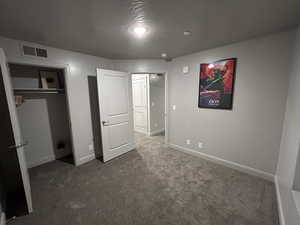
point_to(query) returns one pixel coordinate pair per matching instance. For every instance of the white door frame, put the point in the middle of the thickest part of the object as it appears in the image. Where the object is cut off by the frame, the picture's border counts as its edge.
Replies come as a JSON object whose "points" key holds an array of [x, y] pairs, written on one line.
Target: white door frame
{"points": [[166, 102], [67, 74]]}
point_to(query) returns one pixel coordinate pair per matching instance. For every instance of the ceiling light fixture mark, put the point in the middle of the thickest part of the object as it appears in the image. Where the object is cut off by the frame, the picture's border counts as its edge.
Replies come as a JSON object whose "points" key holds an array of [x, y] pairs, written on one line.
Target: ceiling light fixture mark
{"points": [[139, 30]]}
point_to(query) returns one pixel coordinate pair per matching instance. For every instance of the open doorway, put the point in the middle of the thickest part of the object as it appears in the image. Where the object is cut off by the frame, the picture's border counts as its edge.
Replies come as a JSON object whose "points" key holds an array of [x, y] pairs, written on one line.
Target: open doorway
{"points": [[144, 93], [43, 113], [149, 101]]}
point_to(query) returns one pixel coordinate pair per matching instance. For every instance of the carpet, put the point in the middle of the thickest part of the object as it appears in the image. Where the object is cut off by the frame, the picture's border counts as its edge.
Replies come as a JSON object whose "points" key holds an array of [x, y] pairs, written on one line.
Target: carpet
{"points": [[152, 185]]}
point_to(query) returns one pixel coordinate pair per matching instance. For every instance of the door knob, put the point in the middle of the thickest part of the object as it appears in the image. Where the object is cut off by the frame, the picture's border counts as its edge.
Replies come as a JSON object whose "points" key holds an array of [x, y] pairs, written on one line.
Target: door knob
{"points": [[16, 146], [105, 123]]}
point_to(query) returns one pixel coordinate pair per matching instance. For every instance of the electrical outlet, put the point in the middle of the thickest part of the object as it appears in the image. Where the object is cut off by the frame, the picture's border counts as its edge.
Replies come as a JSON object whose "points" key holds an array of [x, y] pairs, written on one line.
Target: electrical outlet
{"points": [[188, 142], [91, 147], [200, 145]]}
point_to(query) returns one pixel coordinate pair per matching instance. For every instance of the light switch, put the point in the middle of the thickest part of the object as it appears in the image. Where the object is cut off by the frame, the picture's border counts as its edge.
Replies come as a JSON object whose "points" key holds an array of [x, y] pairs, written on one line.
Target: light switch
{"points": [[185, 69], [174, 107]]}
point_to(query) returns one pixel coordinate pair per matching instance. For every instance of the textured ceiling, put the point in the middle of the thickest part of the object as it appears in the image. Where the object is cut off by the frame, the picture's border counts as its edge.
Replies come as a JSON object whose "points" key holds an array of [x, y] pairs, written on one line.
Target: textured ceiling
{"points": [[100, 27]]}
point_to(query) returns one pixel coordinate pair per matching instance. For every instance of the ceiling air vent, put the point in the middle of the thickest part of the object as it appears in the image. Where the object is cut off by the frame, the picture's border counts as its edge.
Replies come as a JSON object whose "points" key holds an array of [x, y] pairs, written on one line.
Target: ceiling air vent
{"points": [[34, 51]]}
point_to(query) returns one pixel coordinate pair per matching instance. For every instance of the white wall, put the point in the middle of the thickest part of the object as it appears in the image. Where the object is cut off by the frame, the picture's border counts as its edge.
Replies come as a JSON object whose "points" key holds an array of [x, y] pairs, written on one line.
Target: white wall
{"points": [[141, 66], [81, 66], [249, 134], [157, 104], [290, 143]]}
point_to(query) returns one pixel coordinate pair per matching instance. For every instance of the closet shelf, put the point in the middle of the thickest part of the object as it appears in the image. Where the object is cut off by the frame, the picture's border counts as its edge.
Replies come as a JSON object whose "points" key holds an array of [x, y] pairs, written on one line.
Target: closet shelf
{"points": [[39, 90]]}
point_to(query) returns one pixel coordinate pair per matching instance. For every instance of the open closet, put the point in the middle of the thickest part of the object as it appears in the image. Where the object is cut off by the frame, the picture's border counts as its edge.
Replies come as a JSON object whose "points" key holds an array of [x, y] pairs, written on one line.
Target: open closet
{"points": [[43, 112]]}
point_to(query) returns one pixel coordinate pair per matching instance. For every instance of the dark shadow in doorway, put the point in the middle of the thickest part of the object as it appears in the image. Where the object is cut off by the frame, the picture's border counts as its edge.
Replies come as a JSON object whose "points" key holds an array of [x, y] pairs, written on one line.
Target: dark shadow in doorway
{"points": [[95, 115]]}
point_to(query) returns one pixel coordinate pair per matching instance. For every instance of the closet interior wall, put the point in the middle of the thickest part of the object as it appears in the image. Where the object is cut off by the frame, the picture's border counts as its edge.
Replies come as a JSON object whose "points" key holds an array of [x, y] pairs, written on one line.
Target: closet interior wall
{"points": [[43, 114]]}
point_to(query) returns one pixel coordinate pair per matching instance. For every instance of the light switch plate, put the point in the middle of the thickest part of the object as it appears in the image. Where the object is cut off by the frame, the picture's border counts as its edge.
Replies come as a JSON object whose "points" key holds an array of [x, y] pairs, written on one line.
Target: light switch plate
{"points": [[174, 107], [185, 69]]}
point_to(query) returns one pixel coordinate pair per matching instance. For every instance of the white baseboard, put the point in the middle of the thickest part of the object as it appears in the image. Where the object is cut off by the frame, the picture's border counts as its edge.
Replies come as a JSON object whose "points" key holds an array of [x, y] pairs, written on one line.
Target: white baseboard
{"points": [[86, 159], [157, 132], [47, 159], [2, 219], [63, 153], [41, 161], [279, 203], [141, 131], [230, 164]]}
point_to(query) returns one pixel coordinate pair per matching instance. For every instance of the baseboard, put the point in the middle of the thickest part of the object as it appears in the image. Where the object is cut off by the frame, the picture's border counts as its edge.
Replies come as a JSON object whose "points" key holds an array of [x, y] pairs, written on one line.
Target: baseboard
{"points": [[141, 131], [48, 159], [42, 161], [279, 203], [63, 153], [156, 132], [86, 159], [2, 219], [230, 164]]}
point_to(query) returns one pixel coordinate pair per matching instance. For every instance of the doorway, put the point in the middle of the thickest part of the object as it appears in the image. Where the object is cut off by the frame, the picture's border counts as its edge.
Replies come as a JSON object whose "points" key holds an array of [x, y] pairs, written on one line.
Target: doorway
{"points": [[149, 103]]}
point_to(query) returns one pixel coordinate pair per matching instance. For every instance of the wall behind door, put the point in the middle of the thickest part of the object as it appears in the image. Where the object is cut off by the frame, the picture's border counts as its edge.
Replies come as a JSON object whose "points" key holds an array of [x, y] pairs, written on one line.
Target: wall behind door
{"points": [[95, 115]]}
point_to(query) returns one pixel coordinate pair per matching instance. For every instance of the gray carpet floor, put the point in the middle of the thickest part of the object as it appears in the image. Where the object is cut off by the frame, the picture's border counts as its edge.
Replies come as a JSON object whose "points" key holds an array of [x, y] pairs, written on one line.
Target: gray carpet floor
{"points": [[152, 185]]}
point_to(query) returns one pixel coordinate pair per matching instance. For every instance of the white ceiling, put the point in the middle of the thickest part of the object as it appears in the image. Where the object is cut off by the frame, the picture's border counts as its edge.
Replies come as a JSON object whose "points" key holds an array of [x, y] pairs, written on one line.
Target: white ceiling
{"points": [[100, 27]]}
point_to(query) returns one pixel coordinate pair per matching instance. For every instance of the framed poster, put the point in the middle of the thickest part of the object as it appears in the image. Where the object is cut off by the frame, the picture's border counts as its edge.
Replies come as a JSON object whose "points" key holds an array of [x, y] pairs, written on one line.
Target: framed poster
{"points": [[216, 84]]}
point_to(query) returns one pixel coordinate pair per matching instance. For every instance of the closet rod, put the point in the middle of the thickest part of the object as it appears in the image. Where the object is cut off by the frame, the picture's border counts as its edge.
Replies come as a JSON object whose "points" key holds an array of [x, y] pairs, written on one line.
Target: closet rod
{"points": [[38, 92]]}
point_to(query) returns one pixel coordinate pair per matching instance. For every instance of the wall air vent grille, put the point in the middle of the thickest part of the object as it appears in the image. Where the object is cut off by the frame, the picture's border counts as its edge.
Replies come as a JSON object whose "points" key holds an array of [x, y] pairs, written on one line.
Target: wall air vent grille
{"points": [[28, 50], [34, 51], [41, 52]]}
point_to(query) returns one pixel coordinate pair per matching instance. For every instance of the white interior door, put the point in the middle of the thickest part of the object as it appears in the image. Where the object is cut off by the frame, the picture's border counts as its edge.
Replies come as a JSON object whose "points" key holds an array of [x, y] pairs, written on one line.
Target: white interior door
{"points": [[19, 144], [115, 103], [140, 102]]}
